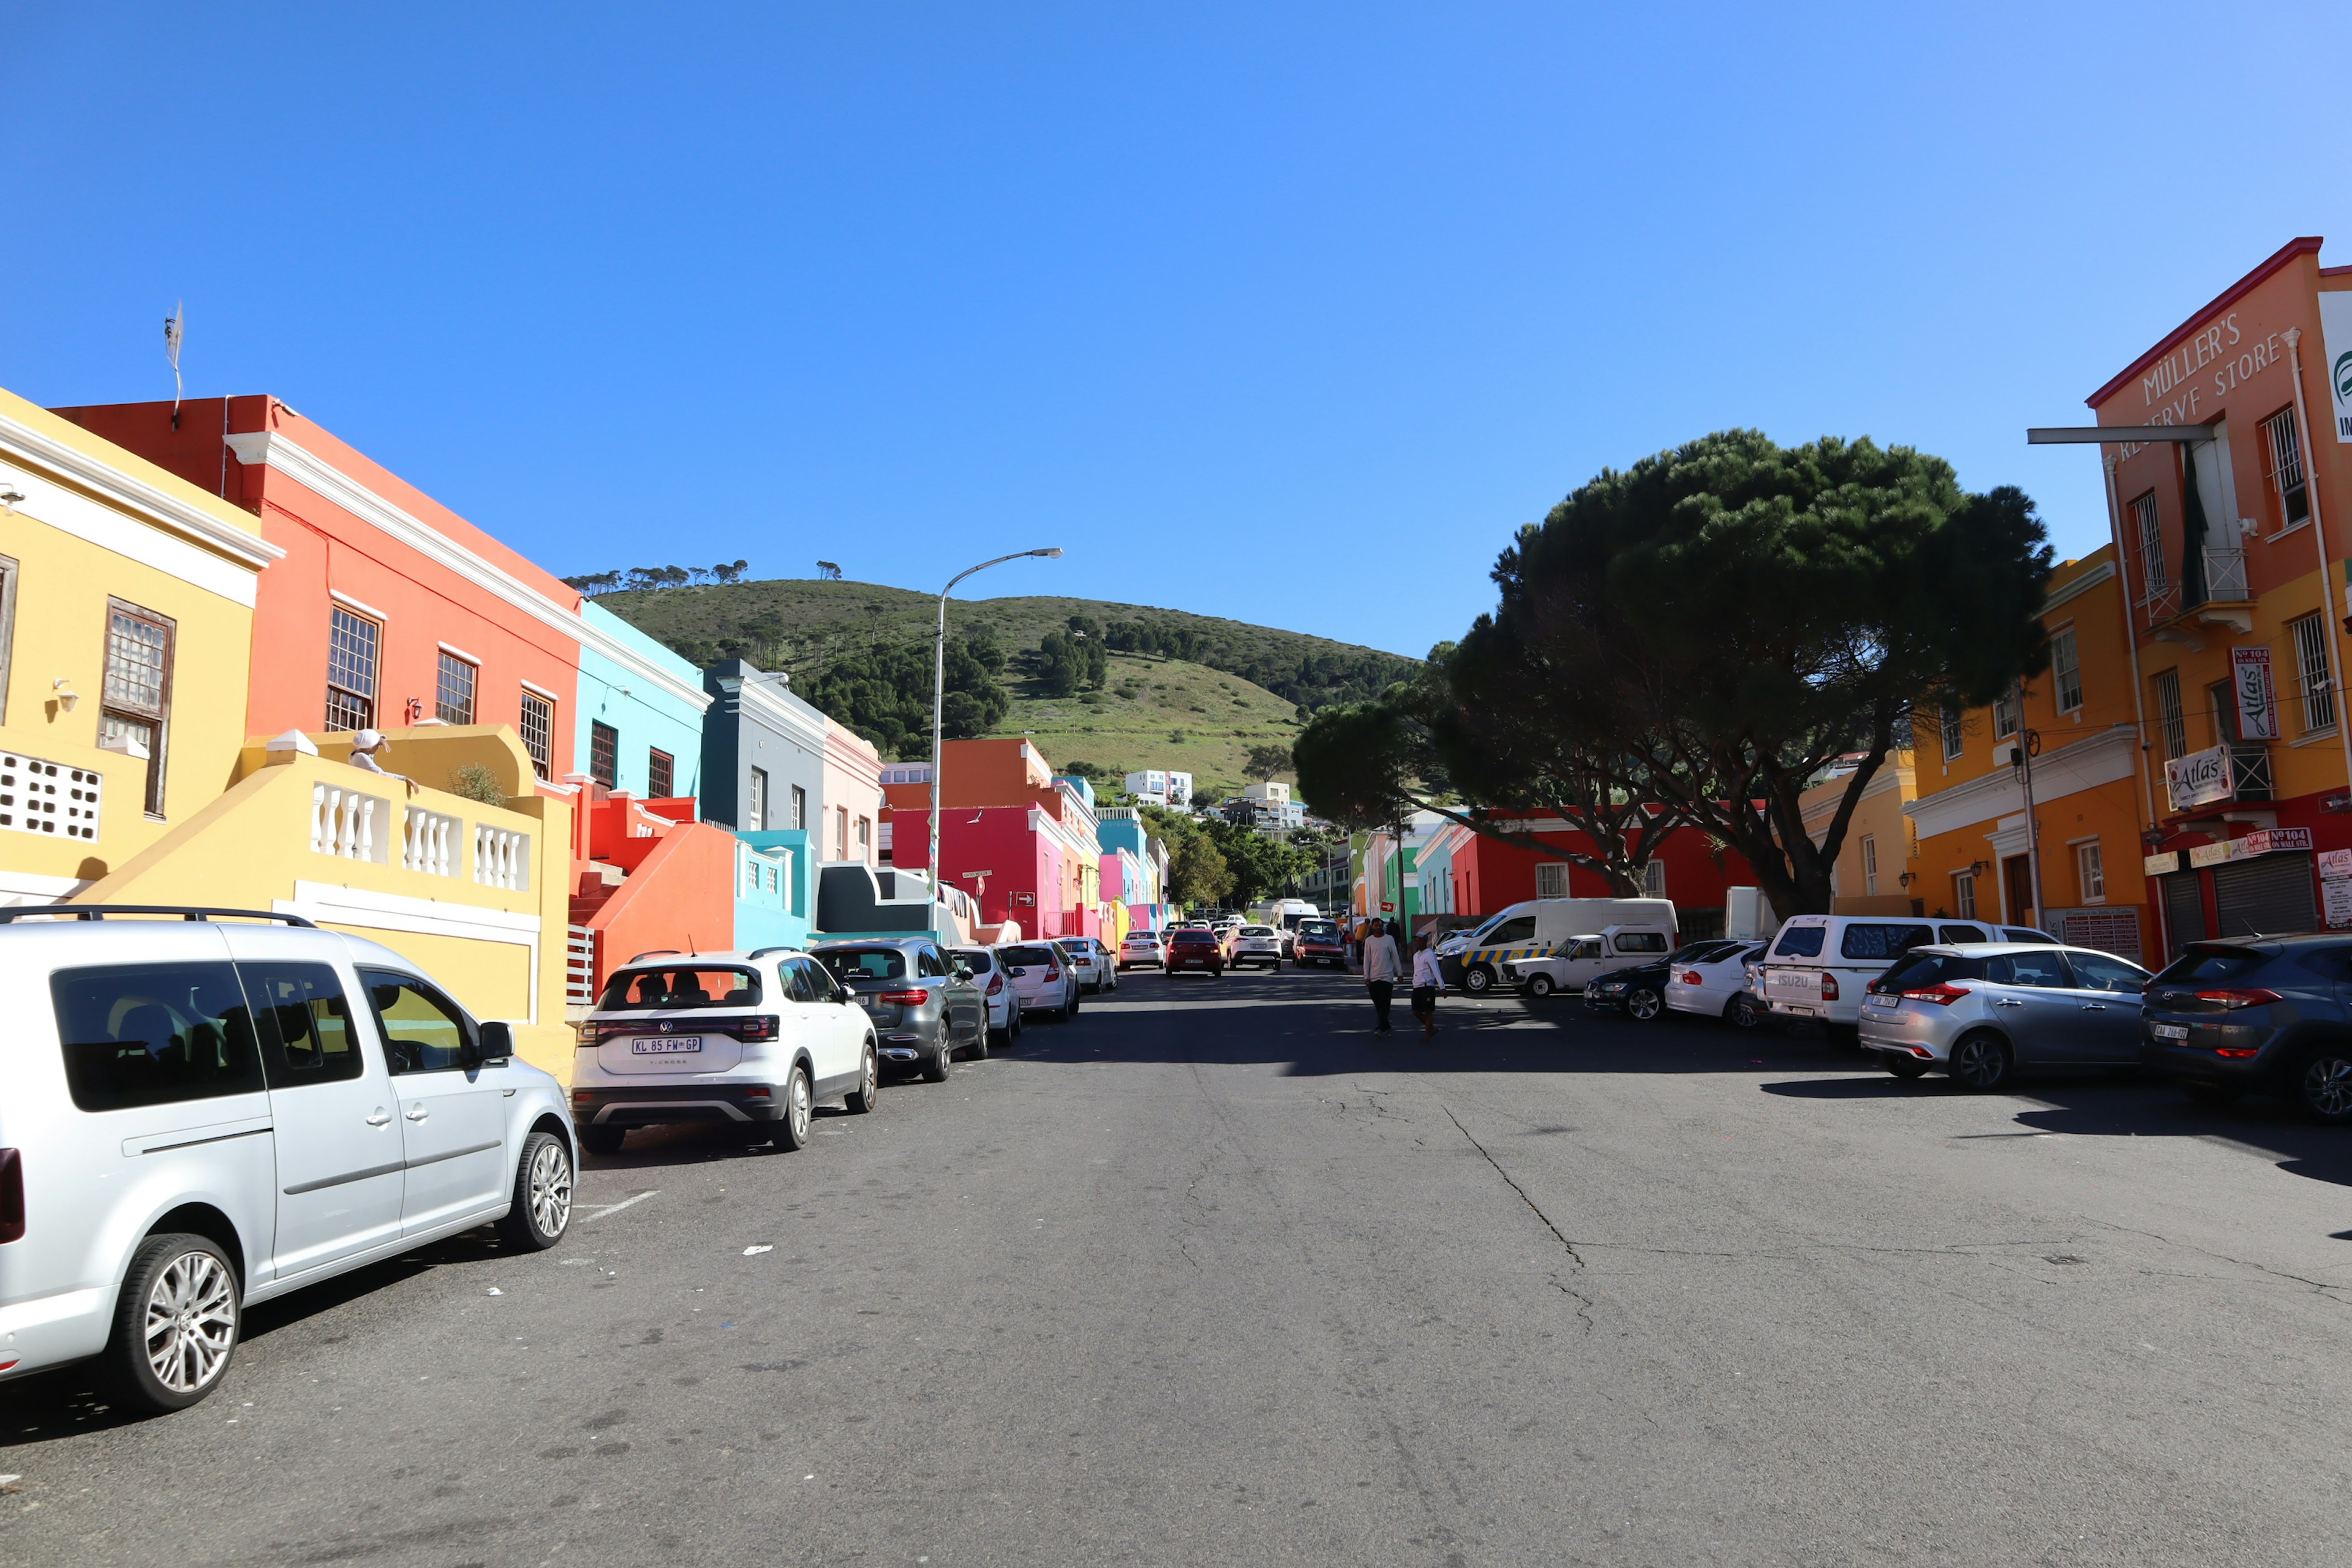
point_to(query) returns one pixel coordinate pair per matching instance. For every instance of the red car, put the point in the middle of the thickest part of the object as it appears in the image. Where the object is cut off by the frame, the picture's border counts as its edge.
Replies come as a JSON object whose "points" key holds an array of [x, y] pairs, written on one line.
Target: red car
{"points": [[1319, 941], [1192, 948]]}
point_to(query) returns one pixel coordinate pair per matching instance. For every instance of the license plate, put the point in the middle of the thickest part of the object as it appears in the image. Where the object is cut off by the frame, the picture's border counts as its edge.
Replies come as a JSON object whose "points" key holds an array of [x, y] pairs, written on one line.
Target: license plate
{"points": [[1792, 1008], [2169, 1031], [682, 1045]]}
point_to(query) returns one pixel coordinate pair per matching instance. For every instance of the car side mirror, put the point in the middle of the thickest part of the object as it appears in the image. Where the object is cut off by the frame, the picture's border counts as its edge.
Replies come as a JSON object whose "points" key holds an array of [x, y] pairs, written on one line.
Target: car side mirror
{"points": [[496, 1042], [962, 972]]}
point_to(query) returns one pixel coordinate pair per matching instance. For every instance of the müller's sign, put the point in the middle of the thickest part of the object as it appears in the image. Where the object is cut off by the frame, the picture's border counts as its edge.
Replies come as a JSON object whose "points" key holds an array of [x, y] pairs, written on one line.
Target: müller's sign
{"points": [[2201, 778]]}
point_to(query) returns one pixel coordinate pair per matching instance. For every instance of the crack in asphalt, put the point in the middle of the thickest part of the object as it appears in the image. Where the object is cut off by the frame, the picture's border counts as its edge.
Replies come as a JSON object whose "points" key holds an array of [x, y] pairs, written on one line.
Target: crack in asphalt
{"points": [[2322, 1287], [1583, 1302]]}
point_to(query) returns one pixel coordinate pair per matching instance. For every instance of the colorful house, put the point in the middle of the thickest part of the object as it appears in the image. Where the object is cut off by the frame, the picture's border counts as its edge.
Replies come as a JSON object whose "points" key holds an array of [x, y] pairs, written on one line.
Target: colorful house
{"points": [[1472, 874], [639, 724], [763, 752], [1021, 842], [1874, 873]]}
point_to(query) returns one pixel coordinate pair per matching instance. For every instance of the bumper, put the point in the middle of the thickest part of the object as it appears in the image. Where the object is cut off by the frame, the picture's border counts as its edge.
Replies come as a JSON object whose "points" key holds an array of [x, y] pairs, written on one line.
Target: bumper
{"points": [[51, 1331], [1138, 960], [1208, 964], [1926, 1040], [2202, 1064], [654, 1105]]}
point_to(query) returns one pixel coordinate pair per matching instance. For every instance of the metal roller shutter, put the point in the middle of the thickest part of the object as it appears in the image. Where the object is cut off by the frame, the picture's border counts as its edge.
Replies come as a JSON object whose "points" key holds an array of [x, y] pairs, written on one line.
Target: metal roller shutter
{"points": [[2184, 911], [2268, 897]]}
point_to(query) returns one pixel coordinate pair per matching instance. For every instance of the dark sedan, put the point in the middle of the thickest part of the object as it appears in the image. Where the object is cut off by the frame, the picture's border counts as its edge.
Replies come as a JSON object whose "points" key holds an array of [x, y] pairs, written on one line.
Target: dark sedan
{"points": [[2264, 1015], [924, 1007]]}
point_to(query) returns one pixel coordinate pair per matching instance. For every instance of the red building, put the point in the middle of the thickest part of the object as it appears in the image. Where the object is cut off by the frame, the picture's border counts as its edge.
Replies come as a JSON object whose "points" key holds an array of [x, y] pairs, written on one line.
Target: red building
{"points": [[1021, 841], [1468, 874]]}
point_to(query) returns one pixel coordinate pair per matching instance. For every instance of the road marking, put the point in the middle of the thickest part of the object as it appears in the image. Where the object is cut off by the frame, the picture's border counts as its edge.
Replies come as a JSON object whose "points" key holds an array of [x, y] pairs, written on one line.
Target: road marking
{"points": [[616, 1208]]}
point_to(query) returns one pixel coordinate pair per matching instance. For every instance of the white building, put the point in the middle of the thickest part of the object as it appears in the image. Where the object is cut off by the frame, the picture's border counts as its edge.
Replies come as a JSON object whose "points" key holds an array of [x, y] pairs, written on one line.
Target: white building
{"points": [[1159, 787]]}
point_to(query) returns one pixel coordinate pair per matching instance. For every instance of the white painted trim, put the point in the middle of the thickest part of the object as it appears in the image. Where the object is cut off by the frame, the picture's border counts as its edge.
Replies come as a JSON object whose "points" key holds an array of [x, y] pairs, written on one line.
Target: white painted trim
{"points": [[130, 535], [361, 605], [2083, 584], [541, 691], [2097, 759], [28, 888], [455, 652], [329, 903], [153, 505], [793, 722], [332, 485]]}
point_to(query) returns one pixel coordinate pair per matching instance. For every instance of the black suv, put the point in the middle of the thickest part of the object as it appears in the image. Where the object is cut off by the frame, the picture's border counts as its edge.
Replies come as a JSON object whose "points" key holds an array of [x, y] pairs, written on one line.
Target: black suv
{"points": [[2264, 1014]]}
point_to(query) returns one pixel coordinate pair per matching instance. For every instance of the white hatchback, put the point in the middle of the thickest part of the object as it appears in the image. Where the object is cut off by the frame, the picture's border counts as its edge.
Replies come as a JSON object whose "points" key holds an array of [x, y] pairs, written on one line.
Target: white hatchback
{"points": [[1042, 976], [206, 1111]]}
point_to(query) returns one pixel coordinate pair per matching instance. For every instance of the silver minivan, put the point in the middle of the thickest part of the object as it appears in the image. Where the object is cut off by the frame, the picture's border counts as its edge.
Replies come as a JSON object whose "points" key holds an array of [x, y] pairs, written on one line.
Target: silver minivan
{"points": [[201, 1113]]}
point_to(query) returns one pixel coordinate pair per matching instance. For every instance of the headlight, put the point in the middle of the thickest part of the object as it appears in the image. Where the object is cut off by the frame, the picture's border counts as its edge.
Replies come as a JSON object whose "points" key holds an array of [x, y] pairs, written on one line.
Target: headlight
{"points": [[1618, 986]]}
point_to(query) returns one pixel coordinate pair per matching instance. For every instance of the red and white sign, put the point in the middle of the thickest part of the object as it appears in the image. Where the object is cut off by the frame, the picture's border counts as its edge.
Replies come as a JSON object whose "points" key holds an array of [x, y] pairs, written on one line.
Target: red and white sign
{"points": [[2272, 841], [1386, 906], [2258, 716]]}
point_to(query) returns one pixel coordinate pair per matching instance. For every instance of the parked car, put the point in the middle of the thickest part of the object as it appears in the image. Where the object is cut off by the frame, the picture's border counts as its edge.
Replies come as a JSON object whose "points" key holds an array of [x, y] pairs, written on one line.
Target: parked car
{"points": [[1093, 961], [1820, 964], [1717, 985], [1258, 945], [2256, 1014], [1574, 962], [1473, 960], [924, 1007], [754, 1041], [202, 1114], [1192, 947], [1003, 1001], [1044, 976], [1320, 942], [1141, 947], [1985, 1012], [1639, 990]]}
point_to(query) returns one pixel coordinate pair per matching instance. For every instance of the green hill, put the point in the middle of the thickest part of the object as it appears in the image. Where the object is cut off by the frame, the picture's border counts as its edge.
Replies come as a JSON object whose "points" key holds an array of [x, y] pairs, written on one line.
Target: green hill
{"points": [[1157, 712]]}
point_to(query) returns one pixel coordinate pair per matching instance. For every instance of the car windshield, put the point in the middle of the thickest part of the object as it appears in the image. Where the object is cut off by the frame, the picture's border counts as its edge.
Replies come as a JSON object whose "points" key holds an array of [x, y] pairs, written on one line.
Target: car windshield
{"points": [[2224, 965], [1194, 938], [979, 958], [1022, 957], [1321, 931], [855, 964], [684, 985]]}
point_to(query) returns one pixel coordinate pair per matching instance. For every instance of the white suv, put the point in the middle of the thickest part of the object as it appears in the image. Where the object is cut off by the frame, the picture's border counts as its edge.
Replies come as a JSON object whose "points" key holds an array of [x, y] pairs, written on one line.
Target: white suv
{"points": [[202, 1113], [753, 1040]]}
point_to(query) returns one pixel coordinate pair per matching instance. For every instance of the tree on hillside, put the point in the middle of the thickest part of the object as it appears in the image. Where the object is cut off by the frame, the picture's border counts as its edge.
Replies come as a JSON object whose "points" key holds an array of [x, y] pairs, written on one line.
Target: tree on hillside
{"points": [[885, 694], [1197, 872], [1262, 866], [1264, 761], [1069, 661]]}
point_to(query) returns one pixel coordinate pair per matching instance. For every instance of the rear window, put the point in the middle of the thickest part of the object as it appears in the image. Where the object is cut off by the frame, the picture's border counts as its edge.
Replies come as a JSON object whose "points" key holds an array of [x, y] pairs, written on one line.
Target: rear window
{"points": [[1642, 942], [981, 960], [1961, 933], [153, 1034], [1801, 942], [848, 964], [1022, 957], [1928, 969], [668, 988], [2011, 933], [1195, 938], [2224, 964], [1883, 941], [1704, 952]]}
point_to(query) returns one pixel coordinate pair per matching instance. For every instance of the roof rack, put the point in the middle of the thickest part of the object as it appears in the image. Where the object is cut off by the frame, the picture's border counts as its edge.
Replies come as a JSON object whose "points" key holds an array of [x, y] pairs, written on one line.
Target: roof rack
{"points": [[104, 911]]}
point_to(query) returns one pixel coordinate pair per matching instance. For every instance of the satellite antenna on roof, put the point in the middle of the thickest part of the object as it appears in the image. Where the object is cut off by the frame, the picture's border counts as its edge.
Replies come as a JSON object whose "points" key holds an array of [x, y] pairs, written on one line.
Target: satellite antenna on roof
{"points": [[175, 327]]}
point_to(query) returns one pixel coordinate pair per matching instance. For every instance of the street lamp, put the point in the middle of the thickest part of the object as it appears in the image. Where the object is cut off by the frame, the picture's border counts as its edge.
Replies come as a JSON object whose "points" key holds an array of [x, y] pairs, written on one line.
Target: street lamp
{"points": [[939, 697]]}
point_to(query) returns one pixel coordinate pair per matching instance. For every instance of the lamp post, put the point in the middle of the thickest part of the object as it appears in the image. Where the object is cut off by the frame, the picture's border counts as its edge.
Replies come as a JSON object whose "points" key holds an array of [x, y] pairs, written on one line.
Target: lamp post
{"points": [[939, 696]]}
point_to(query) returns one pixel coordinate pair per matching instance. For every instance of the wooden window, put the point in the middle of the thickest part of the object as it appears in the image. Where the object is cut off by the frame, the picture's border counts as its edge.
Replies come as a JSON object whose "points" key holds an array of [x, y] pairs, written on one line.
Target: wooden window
{"points": [[2290, 495], [8, 572], [353, 643], [604, 754], [1654, 879], [135, 707], [1551, 879], [539, 733], [661, 773], [2311, 672], [866, 838], [2090, 874], [453, 695], [2004, 715]]}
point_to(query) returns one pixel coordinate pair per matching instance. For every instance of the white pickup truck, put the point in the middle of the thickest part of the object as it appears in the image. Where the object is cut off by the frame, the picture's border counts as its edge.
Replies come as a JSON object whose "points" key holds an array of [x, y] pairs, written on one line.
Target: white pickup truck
{"points": [[1571, 963], [1819, 965]]}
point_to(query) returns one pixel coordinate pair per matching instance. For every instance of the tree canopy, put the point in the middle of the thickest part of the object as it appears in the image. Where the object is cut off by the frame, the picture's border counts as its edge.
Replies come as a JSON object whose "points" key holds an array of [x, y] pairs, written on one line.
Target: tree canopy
{"points": [[885, 694]]}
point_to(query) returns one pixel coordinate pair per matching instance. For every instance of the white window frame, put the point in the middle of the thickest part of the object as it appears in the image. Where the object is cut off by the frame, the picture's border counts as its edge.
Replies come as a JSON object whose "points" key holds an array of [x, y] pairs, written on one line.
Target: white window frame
{"points": [[1955, 737], [2172, 719], [1964, 895], [1551, 879], [2312, 678], [1654, 879], [2090, 872], [2151, 546], [2005, 719], [2066, 669], [1870, 864], [2283, 444]]}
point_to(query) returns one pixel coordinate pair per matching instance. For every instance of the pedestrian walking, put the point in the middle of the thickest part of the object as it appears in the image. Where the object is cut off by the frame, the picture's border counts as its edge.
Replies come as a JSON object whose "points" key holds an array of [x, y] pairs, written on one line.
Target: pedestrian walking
{"points": [[1382, 967], [1427, 981]]}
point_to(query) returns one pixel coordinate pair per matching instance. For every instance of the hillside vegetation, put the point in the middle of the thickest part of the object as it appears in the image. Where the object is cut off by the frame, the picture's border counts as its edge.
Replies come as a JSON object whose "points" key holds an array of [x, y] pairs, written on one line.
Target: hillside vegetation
{"points": [[1158, 712]]}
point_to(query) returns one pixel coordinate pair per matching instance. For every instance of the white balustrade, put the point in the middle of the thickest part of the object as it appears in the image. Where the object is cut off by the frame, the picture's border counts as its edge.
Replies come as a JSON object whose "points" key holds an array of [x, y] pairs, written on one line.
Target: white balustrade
{"points": [[429, 842], [501, 857], [349, 825]]}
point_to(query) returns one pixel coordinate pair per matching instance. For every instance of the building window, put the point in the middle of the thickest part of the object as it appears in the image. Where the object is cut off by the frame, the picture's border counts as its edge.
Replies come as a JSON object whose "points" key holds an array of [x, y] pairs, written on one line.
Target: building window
{"points": [[137, 692], [799, 807], [2311, 671], [865, 838], [2169, 719], [1955, 740], [604, 754], [2066, 666], [759, 809], [352, 642], [1551, 880], [2223, 696], [2090, 874], [1964, 894], [661, 773], [2288, 491], [9, 569], [453, 691], [2004, 715], [2151, 546], [1869, 865], [841, 833], [539, 733], [1653, 879]]}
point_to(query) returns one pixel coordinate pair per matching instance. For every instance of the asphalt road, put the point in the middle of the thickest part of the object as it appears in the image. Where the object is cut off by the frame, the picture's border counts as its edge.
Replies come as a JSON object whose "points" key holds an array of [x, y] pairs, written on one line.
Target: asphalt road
{"points": [[1209, 1275]]}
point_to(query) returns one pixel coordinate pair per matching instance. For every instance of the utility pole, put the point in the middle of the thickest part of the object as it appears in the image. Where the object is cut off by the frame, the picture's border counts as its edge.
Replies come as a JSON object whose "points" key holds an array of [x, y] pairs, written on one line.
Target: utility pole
{"points": [[2020, 759], [938, 700]]}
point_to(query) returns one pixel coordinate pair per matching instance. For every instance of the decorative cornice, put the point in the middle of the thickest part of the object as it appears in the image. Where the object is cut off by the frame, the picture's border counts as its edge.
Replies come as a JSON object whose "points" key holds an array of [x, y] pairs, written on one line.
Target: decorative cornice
{"points": [[2089, 762], [2083, 584], [151, 504], [332, 484]]}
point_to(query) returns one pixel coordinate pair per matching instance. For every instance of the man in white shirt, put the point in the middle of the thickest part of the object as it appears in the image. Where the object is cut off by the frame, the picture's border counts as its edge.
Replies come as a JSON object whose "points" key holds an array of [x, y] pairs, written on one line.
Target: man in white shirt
{"points": [[1382, 967], [1427, 981]]}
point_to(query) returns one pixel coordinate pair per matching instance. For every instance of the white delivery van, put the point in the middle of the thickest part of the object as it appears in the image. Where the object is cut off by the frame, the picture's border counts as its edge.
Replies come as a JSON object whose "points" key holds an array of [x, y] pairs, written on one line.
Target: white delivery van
{"points": [[1566, 966], [1819, 965], [1473, 960]]}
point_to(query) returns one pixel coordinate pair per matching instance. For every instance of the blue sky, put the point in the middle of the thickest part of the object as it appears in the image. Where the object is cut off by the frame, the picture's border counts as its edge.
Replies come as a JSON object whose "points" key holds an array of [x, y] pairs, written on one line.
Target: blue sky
{"points": [[1290, 313]]}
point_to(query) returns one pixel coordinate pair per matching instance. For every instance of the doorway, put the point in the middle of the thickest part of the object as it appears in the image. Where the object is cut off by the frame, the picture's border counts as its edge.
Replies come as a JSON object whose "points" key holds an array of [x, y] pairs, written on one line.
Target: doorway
{"points": [[2016, 886]]}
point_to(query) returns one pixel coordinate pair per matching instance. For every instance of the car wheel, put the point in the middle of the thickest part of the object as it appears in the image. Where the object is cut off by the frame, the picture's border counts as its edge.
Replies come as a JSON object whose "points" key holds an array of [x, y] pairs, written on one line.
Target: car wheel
{"points": [[980, 1038], [1743, 1013], [542, 1195], [1643, 1003], [1902, 1066], [602, 1140], [1478, 980], [2324, 1085], [1540, 986], [868, 1093], [175, 1323], [935, 1067], [1072, 1010], [793, 1131], [1981, 1062]]}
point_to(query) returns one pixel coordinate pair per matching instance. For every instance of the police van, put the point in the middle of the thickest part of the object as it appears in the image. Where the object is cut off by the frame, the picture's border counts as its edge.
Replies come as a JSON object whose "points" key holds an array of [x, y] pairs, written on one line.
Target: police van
{"points": [[1473, 960]]}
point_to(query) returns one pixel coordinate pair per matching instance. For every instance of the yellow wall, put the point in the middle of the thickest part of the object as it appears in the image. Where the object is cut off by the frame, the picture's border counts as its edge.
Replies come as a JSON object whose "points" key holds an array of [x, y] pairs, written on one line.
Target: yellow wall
{"points": [[1877, 816]]}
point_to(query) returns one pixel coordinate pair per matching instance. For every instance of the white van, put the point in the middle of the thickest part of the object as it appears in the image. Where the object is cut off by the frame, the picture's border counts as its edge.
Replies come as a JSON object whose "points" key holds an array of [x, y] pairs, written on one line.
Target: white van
{"points": [[1473, 960], [1819, 965], [203, 1113]]}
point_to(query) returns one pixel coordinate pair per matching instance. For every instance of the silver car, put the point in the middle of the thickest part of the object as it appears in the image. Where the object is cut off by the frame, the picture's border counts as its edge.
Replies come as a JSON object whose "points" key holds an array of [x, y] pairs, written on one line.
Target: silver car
{"points": [[1983, 1012]]}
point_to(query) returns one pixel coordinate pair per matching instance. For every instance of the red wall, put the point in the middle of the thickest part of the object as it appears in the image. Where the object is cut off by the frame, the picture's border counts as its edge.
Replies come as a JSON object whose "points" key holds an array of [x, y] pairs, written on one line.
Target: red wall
{"points": [[1490, 876]]}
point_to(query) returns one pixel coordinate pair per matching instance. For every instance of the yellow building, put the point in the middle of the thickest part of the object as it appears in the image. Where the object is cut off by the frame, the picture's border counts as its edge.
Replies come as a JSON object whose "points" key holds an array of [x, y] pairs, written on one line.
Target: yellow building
{"points": [[1976, 854], [126, 776], [1873, 874]]}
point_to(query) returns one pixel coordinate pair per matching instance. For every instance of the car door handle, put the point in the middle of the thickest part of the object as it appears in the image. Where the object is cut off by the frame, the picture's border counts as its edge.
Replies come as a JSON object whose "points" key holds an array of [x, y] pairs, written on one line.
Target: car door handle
{"points": [[379, 1118], [2094, 1007], [2009, 1002], [418, 1112]]}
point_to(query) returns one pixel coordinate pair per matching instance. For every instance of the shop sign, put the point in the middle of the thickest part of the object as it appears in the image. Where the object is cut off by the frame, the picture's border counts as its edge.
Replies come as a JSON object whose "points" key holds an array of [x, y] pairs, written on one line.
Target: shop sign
{"points": [[2335, 862], [2201, 778], [1387, 906], [2160, 865], [2275, 841], [2336, 327], [2213, 854], [2249, 669]]}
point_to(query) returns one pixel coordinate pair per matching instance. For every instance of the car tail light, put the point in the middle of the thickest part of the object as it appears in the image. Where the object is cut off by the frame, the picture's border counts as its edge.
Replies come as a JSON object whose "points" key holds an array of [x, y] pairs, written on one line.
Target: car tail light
{"points": [[903, 998], [588, 1028], [12, 1196], [764, 1027], [1690, 977], [1053, 973], [1941, 994], [996, 985], [2236, 1052], [1829, 988], [2246, 997]]}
